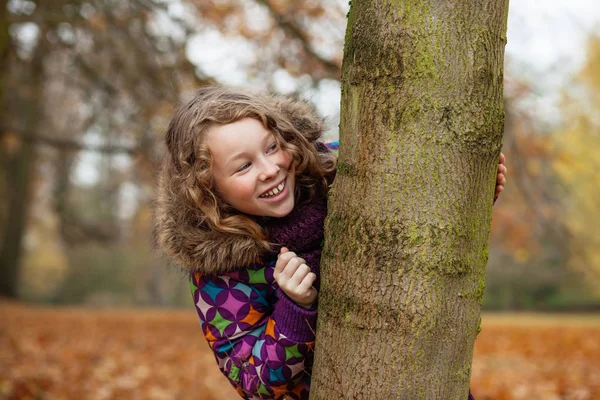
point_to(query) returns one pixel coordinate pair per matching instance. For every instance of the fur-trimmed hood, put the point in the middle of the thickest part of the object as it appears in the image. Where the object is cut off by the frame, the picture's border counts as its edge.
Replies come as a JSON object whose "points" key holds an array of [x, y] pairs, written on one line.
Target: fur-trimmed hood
{"points": [[181, 234]]}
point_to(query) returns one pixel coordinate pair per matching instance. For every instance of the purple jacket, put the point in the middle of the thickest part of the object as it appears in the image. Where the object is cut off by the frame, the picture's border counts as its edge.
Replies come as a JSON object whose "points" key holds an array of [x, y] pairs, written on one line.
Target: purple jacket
{"points": [[261, 339]]}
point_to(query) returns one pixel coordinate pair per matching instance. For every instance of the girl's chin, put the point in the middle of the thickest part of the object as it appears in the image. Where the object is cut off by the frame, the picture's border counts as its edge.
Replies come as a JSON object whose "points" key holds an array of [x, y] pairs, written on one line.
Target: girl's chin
{"points": [[283, 211]]}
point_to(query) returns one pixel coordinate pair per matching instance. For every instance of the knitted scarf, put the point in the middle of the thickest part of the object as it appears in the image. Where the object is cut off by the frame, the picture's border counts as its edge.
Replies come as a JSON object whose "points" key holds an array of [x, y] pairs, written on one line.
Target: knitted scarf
{"points": [[301, 231]]}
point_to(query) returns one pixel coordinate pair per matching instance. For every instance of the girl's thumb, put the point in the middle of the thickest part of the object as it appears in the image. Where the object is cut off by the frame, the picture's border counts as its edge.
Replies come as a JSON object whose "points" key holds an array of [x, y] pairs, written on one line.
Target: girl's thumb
{"points": [[283, 250]]}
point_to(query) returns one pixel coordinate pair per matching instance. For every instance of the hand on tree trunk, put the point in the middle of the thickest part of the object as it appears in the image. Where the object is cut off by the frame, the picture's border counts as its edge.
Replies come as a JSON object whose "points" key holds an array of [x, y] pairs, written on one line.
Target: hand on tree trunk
{"points": [[501, 179]]}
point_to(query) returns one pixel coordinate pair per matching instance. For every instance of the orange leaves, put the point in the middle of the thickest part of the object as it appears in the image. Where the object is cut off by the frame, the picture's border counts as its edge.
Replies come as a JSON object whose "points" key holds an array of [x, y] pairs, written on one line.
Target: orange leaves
{"points": [[537, 357], [92, 354], [161, 354]]}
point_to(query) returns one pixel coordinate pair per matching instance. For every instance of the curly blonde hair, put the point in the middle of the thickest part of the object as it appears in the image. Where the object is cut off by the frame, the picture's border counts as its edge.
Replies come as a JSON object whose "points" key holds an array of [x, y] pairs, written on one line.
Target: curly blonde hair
{"points": [[187, 168]]}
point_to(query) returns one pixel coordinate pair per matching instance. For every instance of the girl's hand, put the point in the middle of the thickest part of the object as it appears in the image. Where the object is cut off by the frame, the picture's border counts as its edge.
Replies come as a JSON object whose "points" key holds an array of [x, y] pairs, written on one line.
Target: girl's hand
{"points": [[501, 179], [295, 279]]}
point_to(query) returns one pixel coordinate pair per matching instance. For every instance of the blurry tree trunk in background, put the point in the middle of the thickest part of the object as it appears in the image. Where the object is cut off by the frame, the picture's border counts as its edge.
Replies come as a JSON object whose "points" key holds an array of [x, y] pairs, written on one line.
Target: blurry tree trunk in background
{"points": [[4, 50], [78, 70], [403, 267], [6, 285], [18, 173]]}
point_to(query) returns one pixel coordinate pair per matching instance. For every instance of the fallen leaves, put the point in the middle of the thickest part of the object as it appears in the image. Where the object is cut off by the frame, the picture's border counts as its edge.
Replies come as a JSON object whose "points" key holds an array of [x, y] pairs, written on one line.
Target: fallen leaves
{"points": [[537, 357], [78, 353]]}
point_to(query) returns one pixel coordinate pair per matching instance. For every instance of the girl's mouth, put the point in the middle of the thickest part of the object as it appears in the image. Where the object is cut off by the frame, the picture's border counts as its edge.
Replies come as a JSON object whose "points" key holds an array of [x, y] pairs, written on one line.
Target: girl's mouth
{"points": [[276, 192]]}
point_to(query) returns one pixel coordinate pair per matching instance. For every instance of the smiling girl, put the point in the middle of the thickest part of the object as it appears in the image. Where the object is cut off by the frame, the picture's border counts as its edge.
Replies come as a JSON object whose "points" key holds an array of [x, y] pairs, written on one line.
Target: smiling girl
{"points": [[241, 208]]}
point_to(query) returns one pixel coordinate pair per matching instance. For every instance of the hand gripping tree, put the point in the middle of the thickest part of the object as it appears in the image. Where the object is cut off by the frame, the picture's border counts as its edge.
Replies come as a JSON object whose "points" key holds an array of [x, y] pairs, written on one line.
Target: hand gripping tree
{"points": [[403, 267]]}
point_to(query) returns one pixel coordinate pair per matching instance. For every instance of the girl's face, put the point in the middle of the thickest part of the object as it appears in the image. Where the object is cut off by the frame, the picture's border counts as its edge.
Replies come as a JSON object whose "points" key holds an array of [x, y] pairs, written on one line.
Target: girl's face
{"points": [[250, 171]]}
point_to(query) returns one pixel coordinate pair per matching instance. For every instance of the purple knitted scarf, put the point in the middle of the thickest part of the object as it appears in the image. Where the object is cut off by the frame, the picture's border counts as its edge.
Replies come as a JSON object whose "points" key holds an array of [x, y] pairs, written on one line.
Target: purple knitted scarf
{"points": [[301, 231]]}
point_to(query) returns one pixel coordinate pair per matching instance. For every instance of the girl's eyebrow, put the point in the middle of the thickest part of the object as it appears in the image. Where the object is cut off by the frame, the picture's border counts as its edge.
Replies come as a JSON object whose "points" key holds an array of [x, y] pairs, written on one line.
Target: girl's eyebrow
{"points": [[239, 155], [244, 153]]}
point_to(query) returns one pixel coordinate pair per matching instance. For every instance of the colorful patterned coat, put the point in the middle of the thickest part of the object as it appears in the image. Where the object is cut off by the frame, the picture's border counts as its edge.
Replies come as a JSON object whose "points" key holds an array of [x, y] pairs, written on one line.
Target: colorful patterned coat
{"points": [[261, 339]]}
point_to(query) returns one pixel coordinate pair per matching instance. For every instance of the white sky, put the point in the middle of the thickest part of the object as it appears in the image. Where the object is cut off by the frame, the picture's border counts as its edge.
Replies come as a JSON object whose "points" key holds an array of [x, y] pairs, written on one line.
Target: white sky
{"points": [[546, 45], [546, 33]]}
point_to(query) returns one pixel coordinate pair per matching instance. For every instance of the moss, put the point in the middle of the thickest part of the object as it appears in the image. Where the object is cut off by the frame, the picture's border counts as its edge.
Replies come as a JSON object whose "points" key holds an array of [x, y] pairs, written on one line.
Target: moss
{"points": [[415, 238], [424, 67], [464, 373], [454, 266], [480, 289], [351, 16], [345, 168]]}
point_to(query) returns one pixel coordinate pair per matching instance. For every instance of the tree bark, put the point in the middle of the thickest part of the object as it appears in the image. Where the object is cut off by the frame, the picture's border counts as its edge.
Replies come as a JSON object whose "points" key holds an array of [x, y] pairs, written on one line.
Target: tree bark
{"points": [[403, 268]]}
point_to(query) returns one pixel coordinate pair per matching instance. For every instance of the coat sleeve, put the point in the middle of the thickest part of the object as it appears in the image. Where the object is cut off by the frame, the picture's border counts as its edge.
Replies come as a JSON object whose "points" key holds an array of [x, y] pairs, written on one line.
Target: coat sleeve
{"points": [[262, 348], [334, 147]]}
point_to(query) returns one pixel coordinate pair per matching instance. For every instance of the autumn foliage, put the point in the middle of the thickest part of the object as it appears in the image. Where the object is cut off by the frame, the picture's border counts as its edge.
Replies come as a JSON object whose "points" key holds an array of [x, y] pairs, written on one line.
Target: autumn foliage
{"points": [[81, 353]]}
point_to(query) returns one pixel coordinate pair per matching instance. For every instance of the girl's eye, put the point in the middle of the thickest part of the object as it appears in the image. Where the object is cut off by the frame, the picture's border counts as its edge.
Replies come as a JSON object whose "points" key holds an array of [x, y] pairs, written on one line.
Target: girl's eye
{"points": [[243, 167], [272, 148]]}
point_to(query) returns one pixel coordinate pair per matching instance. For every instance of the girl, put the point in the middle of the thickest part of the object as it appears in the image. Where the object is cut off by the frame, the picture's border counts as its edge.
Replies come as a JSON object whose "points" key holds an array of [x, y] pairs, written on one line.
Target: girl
{"points": [[241, 206]]}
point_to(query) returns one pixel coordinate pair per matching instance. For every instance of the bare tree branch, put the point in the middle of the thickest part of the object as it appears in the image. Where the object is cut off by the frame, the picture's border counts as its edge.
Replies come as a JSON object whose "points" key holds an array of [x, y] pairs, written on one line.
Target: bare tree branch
{"points": [[94, 76], [331, 67], [69, 144]]}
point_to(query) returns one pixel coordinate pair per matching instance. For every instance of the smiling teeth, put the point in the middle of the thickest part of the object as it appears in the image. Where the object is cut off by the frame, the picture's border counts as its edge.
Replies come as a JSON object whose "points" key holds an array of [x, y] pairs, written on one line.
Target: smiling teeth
{"points": [[275, 191]]}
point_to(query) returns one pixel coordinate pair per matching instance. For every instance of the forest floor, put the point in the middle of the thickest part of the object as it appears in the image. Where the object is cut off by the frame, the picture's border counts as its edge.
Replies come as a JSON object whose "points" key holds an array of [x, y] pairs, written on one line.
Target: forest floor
{"points": [[81, 353]]}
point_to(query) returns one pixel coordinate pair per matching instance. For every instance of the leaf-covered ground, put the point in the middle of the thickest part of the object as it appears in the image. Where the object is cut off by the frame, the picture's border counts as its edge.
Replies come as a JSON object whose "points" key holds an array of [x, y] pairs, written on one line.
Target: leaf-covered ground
{"points": [[76, 353]]}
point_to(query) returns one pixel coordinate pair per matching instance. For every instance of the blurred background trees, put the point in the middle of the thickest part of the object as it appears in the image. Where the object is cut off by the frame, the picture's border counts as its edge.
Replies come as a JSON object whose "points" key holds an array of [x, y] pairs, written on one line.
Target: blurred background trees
{"points": [[88, 87]]}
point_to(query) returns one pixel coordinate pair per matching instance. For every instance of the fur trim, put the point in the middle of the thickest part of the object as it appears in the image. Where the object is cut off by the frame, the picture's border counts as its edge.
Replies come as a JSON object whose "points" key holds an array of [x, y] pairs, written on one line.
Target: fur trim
{"points": [[303, 116], [191, 245], [180, 232]]}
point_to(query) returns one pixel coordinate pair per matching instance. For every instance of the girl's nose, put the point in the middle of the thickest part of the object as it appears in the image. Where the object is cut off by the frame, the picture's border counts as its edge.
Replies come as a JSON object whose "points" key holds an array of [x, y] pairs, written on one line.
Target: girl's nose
{"points": [[270, 169]]}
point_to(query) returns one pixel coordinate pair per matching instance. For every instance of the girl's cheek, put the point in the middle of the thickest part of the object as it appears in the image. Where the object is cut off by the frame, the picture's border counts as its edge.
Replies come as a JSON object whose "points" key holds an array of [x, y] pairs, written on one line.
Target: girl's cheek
{"points": [[245, 187], [288, 159]]}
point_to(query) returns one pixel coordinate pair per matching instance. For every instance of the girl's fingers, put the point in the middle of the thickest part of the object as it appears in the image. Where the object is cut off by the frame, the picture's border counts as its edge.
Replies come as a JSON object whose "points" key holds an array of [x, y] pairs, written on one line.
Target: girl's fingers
{"points": [[282, 261], [290, 269], [278, 268], [502, 158], [307, 282], [500, 179], [299, 274], [499, 189]]}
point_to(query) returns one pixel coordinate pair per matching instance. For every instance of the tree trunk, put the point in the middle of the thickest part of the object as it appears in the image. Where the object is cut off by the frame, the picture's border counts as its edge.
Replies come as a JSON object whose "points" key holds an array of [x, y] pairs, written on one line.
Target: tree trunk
{"points": [[20, 164], [403, 268], [8, 270], [4, 50]]}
